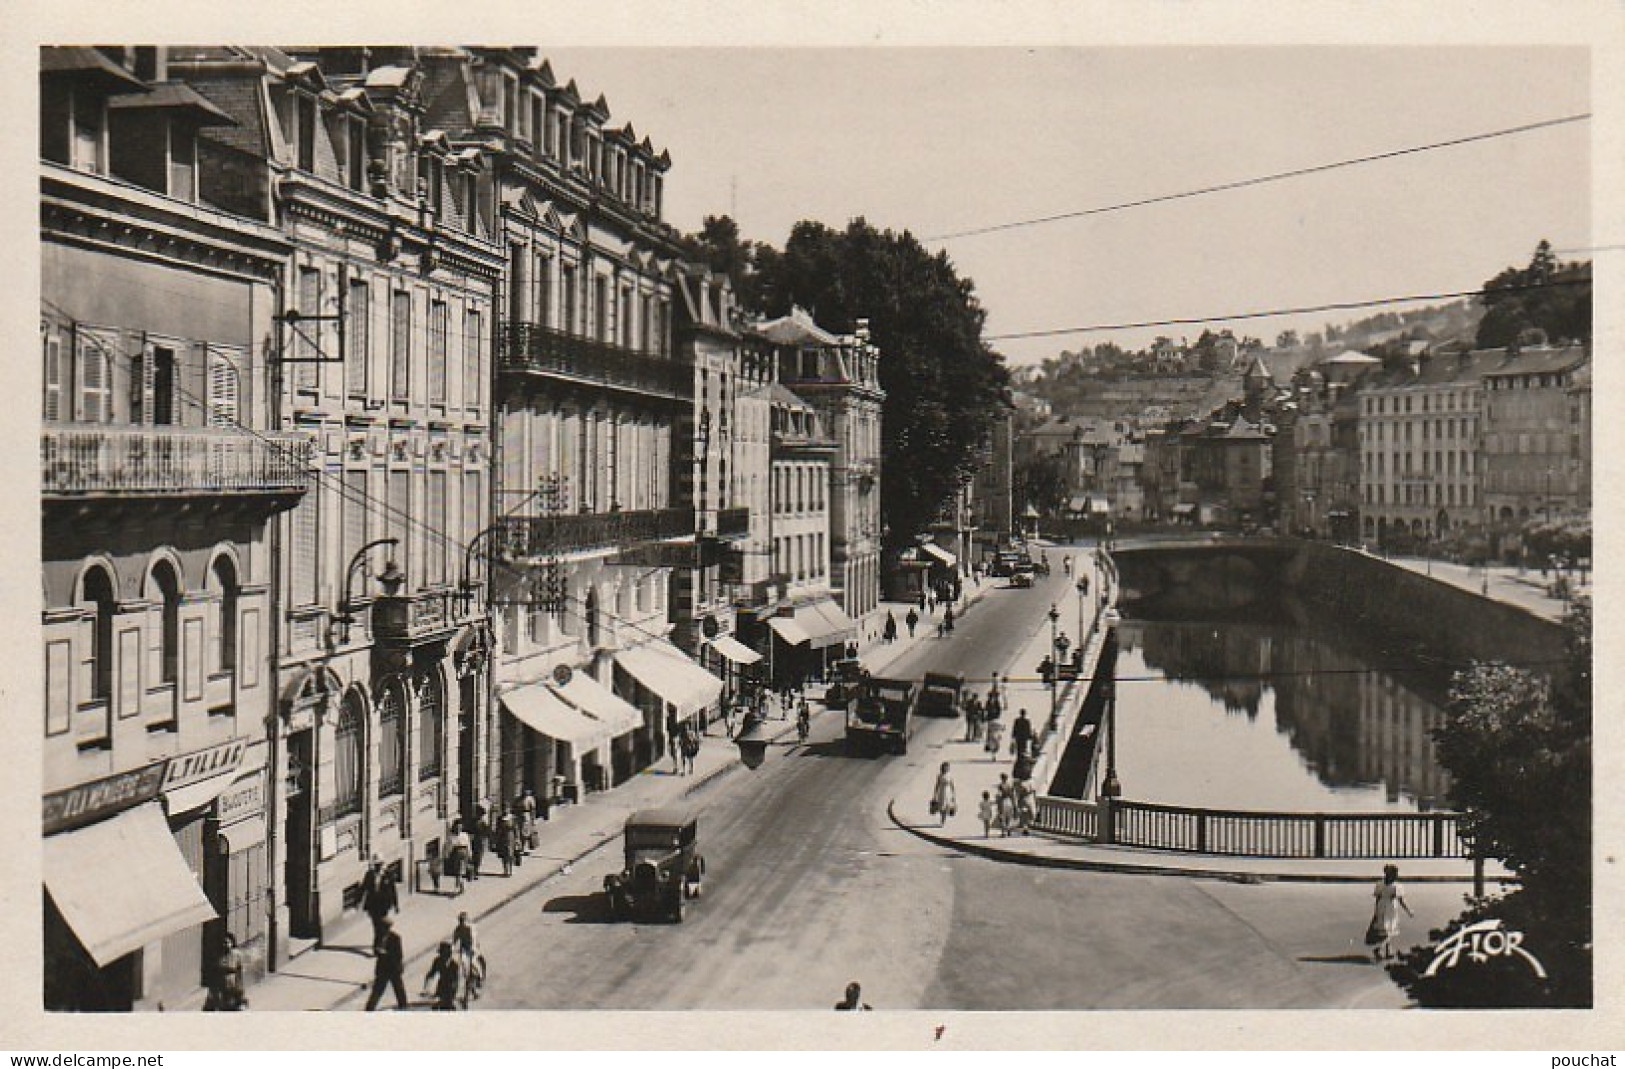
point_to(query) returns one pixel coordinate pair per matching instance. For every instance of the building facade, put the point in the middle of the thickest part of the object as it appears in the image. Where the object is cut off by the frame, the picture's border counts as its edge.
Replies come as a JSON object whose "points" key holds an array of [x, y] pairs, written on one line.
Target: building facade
{"points": [[1530, 436], [1419, 435], [162, 481]]}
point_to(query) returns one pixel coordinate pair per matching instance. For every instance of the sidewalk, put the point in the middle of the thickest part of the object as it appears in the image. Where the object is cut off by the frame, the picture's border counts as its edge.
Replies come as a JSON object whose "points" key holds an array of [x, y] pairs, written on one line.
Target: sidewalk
{"points": [[338, 973], [1512, 586]]}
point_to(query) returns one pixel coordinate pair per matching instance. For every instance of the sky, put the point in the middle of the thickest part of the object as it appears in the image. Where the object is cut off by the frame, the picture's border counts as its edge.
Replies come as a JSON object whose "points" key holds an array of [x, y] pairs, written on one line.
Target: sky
{"points": [[938, 140]]}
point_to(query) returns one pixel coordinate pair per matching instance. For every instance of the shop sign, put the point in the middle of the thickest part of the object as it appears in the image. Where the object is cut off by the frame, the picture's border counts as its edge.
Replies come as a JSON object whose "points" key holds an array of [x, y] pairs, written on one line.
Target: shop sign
{"points": [[195, 767], [91, 801], [244, 800]]}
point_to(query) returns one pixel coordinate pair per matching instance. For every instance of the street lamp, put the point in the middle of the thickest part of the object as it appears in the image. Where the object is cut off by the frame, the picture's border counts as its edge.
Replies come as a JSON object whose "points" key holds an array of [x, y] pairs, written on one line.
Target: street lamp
{"points": [[1083, 592], [392, 577], [1055, 663]]}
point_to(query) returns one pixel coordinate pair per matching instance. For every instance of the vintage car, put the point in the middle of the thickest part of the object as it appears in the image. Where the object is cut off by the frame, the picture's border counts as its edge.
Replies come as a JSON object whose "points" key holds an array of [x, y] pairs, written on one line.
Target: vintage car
{"points": [[1022, 577], [845, 675], [663, 867]]}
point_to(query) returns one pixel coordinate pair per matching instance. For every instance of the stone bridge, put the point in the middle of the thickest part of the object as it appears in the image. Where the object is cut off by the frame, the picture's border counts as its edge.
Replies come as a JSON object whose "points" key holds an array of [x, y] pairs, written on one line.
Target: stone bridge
{"points": [[1153, 565]]}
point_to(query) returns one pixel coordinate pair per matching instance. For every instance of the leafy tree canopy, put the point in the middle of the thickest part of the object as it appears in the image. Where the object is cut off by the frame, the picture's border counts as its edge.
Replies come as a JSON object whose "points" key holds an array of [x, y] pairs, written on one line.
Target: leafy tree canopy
{"points": [[1518, 748], [1548, 294]]}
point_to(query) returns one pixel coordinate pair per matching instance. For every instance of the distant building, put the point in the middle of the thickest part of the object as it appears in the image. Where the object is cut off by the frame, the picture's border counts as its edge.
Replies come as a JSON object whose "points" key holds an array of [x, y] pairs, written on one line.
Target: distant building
{"points": [[1528, 431]]}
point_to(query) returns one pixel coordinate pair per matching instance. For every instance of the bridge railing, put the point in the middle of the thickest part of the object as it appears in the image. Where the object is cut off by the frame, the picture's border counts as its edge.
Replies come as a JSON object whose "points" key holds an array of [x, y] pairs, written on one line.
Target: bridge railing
{"points": [[1244, 833]]}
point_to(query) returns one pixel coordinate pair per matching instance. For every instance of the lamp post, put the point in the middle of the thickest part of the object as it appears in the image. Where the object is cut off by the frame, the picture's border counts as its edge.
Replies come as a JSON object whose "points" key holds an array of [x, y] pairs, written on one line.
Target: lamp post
{"points": [[339, 629], [1055, 662], [1083, 592]]}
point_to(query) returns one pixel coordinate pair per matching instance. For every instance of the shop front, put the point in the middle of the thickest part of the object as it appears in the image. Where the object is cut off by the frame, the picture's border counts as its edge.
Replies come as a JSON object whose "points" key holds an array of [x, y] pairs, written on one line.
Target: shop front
{"points": [[120, 896], [546, 743], [669, 688], [619, 717], [741, 667]]}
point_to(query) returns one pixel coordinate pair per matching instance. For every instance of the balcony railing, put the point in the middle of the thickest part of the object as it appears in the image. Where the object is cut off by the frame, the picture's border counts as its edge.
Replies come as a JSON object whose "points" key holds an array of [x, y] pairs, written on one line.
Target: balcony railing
{"points": [[524, 537], [543, 350], [789, 442], [86, 459], [409, 619]]}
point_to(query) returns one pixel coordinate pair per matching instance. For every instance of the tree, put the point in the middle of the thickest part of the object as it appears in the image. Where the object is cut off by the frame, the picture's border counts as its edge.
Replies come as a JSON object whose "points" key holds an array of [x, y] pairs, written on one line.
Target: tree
{"points": [[1548, 295], [1287, 339], [1518, 748], [719, 247], [943, 383], [1040, 481]]}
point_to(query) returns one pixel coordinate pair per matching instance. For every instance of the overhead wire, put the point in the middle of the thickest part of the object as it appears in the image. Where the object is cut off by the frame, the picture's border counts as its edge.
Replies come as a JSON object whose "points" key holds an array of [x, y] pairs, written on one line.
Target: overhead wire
{"points": [[379, 509], [1258, 180], [1334, 306]]}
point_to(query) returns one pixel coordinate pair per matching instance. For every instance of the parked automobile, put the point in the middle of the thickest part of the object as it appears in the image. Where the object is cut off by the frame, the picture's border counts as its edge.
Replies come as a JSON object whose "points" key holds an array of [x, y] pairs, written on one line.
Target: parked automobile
{"points": [[663, 869], [1022, 578], [844, 677]]}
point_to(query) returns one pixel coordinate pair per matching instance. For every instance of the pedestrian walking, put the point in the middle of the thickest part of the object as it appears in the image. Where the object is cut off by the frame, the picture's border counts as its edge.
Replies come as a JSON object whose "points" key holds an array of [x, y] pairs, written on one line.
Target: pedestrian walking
{"points": [[948, 619], [527, 809], [1006, 801], [379, 898], [517, 849], [925, 602], [458, 852], [995, 699], [889, 634], [388, 970], [226, 984], [973, 712], [479, 838], [1021, 736], [943, 801], [674, 742], [1026, 805], [913, 618], [988, 812], [465, 943], [502, 841], [691, 750], [1384, 927], [995, 732], [450, 973]]}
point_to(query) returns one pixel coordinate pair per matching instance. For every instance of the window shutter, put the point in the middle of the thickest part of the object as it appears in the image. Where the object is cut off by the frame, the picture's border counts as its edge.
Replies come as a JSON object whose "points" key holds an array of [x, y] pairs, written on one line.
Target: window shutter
{"points": [[223, 387], [95, 391], [51, 345], [358, 324], [307, 334]]}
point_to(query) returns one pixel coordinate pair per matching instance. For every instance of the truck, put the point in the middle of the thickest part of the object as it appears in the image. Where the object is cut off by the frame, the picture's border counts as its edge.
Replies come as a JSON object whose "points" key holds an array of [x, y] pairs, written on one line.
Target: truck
{"points": [[879, 716], [940, 693], [845, 677]]}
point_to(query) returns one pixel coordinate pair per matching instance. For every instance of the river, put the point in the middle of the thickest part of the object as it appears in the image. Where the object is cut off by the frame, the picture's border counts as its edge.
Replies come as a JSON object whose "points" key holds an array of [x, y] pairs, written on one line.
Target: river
{"points": [[1273, 711]]}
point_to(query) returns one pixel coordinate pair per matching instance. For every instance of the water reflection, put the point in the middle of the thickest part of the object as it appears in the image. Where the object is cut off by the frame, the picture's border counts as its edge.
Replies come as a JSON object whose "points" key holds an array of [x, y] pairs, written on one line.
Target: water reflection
{"points": [[1276, 716]]}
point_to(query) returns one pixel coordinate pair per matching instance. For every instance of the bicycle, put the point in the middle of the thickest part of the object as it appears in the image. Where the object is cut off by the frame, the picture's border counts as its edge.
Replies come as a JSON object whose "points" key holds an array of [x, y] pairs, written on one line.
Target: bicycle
{"points": [[803, 723]]}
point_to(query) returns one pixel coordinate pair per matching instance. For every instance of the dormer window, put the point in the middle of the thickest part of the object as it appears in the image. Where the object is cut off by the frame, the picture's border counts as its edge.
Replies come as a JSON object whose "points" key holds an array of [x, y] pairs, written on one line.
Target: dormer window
{"points": [[305, 131], [355, 154]]}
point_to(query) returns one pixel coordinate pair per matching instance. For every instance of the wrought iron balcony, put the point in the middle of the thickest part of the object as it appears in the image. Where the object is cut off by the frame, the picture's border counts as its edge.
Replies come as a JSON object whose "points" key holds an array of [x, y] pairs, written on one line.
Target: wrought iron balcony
{"points": [[529, 537], [411, 619], [96, 459], [533, 348]]}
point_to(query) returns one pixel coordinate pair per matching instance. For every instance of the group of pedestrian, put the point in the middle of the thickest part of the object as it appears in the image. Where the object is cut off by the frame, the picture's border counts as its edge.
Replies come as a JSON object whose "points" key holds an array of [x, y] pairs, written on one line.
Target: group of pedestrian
{"points": [[684, 740], [1011, 807], [457, 974]]}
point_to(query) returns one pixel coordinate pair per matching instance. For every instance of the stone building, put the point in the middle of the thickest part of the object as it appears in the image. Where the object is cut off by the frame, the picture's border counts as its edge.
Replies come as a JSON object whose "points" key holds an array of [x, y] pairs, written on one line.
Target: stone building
{"points": [[382, 364], [1530, 437], [162, 480]]}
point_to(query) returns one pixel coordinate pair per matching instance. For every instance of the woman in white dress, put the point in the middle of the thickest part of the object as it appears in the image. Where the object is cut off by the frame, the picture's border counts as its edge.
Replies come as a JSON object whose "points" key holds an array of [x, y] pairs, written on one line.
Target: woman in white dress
{"points": [[943, 800], [1390, 898]]}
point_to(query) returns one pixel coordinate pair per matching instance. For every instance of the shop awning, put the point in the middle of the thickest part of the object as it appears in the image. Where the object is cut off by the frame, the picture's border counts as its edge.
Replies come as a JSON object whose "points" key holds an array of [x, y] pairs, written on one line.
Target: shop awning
{"points": [[122, 883], [735, 650], [539, 709], [1184, 510], [597, 701], [789, 630], [667, 671], [826, 624], [942, 556]]}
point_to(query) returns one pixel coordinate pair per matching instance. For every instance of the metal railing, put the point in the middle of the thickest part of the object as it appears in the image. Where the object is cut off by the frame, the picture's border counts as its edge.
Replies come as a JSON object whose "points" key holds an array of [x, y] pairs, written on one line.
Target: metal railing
{"points": [[535, 348], [87, 459], [1245, 833], [403, 619], [524, 537]]}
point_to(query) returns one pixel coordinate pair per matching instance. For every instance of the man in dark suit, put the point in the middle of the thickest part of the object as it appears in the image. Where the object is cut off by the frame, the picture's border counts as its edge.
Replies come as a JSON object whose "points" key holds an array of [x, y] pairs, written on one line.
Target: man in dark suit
{"points": [[379, 898], [389, 968]]}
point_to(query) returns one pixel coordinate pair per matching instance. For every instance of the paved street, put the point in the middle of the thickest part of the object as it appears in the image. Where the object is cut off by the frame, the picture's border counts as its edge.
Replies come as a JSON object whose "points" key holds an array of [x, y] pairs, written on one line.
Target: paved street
{"points": [[811, 885]]}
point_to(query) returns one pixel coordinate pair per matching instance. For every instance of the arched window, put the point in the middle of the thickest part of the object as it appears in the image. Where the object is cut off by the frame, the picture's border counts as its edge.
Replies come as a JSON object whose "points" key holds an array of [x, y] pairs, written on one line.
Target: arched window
{"points": [[431, 725], [225, 577], [391, 739], [169, 589], [99, 593], [347, 771]]}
